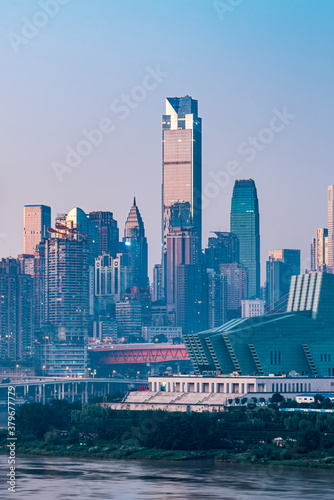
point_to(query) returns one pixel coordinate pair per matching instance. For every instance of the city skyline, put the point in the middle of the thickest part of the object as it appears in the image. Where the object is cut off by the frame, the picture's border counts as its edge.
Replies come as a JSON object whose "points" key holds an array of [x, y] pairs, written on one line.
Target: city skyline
{"points": [[237, 91]]}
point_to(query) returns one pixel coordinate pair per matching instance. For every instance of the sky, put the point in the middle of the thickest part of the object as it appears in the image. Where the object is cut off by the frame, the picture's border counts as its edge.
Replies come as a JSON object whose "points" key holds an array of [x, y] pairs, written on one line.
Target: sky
{"points": [[261, 70]]}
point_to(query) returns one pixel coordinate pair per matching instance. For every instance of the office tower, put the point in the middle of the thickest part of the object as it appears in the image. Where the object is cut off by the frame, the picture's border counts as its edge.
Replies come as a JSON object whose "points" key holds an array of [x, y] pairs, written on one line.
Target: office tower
{"points": [[217, 299], [222, 249], [66, 305], [104, 227], [180, 250], [34, 265], [113, 276], [181, 164], [251, 308], [319, 250], [245, 223], [237, 287], [129, 318], [142, 295], [282, 264], [191, 298], [16, 312], [36, 220], [135, 244], [157, 289], [330, 228]]}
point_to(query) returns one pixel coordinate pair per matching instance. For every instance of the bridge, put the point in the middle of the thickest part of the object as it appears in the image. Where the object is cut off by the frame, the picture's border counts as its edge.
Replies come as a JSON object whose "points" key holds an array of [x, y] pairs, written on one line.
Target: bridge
{"points": [[43, 389], [123, 354]]}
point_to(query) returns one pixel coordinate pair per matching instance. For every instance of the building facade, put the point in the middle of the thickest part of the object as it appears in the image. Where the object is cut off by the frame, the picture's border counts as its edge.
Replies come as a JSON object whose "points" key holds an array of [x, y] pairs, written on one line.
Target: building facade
{"points": [[251, 308], [319, 250], [222, 249], [282, 264], [16, 312], [181, 164], [330, 227], [135, 244], [299, 341], [36, 221], [245, 223]]}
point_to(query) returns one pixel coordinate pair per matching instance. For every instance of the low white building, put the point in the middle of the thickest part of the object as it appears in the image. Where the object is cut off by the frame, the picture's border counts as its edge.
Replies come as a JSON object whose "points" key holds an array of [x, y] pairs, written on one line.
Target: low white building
{"points": [[171, 332], [251, 308]]}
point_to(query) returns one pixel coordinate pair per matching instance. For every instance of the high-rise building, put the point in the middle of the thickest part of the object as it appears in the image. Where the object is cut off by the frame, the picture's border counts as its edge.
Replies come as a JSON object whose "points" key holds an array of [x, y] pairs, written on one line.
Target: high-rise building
{"points": [[34, 265], [181, 165], [105, 230], [217, 299], [282, 264], [135, 244], [113, 276], [180, 250], [330, 228], [222, 249], [16, 312], [236, 286], [36, 220], [245, 223], [191, 298], [319, 250], [129, 318], [67, 288], [157, 289]]}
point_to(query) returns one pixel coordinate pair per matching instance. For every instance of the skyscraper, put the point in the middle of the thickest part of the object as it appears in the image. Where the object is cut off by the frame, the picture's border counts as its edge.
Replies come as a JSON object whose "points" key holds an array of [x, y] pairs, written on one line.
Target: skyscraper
{"points": [[245, 223], [181, 164], [331, 228], [36, 220], [135, 244], [16, 310], [282, 264], [105, 230], [222, 249], [319, 250], [236, 276], [181, 250]]}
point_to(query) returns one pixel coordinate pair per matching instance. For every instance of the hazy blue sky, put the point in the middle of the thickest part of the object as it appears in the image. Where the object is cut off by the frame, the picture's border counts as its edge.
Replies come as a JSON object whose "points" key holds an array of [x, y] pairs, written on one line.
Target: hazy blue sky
{"points": [[63, 76]]}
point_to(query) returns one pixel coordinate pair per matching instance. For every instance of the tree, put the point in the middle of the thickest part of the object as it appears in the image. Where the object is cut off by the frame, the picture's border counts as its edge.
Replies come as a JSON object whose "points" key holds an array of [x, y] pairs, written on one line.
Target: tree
{"points": [[277, 398], [237, 401], [160, 339], [254, 399], [244, 401]]}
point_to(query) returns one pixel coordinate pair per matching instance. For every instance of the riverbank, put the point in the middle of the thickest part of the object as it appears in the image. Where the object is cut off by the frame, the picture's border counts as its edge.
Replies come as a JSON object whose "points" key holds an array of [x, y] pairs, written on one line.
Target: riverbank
{"points": [[133, 452]]}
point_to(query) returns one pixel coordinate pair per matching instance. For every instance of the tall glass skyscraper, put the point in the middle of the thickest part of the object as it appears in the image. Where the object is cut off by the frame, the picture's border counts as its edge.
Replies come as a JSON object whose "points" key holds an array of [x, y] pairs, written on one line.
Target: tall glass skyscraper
{"points": [[181, 164], [245, 223], [136, 246], [330, 228]]}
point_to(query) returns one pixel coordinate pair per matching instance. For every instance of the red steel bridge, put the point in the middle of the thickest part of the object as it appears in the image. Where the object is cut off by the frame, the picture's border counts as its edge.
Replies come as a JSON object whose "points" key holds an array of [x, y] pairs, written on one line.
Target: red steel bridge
{"points": [[122, 354]]}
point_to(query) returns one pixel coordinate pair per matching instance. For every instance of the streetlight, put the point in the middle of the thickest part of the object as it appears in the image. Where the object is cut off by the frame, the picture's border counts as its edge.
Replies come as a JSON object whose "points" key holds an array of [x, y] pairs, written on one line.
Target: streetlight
{"points": [[94, 373]]}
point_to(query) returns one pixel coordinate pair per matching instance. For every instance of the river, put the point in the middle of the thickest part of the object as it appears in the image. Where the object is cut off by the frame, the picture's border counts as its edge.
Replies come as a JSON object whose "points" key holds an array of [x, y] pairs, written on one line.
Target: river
{"points": [[67, 478]]}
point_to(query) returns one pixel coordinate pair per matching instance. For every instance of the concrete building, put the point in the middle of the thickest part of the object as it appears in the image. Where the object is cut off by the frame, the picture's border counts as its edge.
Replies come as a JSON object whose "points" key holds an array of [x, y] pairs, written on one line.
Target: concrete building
{"points": [[149, 333], [236, 276], [184, 393], [157, 289], [16, 312], [301, 340], [36, 220], [129, 318], [113, 275], [223, 248], [282, 264], [251, 308], [105, 230], [319, 250], [217, 299]]}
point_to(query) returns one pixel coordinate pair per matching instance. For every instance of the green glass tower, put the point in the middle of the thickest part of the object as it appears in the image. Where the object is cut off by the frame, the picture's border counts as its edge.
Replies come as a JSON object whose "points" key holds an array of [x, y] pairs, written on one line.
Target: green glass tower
{"points": [[245, 223]]}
